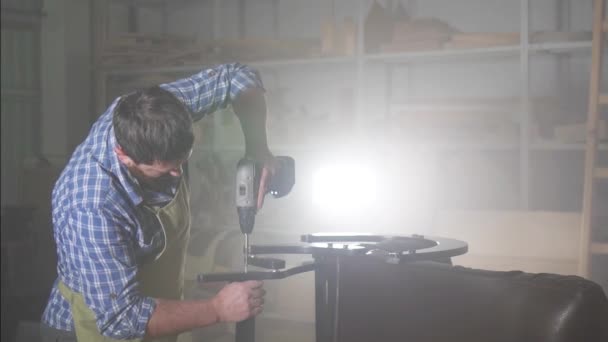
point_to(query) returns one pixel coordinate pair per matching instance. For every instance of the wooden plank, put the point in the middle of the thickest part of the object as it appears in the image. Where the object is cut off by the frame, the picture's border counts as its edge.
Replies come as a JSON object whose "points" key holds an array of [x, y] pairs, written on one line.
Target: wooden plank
{"points": [[577, 133], [559, 36], [601, 172], [591, 148], [599, 248], [603, 99]]}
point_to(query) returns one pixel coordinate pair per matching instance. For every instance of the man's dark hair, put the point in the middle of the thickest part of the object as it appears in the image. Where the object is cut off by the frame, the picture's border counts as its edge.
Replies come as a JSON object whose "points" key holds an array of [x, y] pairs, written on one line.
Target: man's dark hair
{"points": [[153, 125]]}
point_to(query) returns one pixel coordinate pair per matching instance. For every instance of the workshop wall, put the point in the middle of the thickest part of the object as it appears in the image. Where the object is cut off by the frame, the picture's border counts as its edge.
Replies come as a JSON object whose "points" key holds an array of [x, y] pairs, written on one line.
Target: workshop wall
{"points": [[45, 114], [297, 96], [66, 77]]}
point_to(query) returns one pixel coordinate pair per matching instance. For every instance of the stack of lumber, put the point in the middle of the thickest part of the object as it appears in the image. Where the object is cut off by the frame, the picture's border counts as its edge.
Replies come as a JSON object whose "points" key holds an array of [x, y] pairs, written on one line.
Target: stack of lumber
{"points": [[482, 39], [559, 36], [418, 34], [338, 40], [128, 49], [256, 49], [143, 48], [577, 133]]}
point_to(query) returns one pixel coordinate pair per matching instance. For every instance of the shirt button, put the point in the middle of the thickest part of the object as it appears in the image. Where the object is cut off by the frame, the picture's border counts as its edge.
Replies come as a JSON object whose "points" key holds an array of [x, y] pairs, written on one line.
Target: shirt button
{"points": [[113, 296]]}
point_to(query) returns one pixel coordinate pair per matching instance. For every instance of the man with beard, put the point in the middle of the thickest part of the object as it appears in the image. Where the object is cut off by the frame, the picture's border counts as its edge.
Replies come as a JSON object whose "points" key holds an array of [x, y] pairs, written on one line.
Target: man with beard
{"points": [[121, 216]]}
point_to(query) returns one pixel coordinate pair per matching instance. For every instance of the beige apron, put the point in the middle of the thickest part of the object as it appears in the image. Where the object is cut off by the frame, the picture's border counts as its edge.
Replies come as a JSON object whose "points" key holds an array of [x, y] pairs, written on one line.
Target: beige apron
{"points": [[162, 278]]}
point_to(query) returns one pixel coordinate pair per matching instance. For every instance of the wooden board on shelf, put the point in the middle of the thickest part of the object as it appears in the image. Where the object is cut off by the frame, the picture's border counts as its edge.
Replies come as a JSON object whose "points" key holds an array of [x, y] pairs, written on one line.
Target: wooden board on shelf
{"points": [[577, 133], [395, 47], [421, 26], [559, 36], [147, 40], [422, 34], [481, 39], [261, 48], [338, 40]]}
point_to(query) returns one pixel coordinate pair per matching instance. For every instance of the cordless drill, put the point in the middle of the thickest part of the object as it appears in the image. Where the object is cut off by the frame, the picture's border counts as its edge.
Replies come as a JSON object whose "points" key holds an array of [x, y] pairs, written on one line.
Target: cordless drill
{"points": [[248, 176]]}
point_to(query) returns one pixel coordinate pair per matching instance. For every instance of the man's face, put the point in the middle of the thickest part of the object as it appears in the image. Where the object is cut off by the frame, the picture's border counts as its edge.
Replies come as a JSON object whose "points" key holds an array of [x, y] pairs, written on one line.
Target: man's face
{"points": [[158, 176]]}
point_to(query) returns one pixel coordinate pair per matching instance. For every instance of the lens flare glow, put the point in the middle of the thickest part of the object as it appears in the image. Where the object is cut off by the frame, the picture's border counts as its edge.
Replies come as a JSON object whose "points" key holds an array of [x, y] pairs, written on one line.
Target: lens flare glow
{"points": [[345, 189]]}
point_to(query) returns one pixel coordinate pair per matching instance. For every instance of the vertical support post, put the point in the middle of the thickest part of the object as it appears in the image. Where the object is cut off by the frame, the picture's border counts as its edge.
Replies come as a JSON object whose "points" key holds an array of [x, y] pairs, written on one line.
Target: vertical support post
{"points": [[389, 69], [165, 18], [592, 139], [132, 18], [276, 29], [99, 33], [217, 14], [359, 65], [562, 24], [524, 131], [101, 97], [242, 7]]}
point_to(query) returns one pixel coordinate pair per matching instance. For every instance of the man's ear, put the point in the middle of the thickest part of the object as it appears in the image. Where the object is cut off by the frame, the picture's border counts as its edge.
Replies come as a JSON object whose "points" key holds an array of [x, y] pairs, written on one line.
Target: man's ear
{"points": [[123, 157]]}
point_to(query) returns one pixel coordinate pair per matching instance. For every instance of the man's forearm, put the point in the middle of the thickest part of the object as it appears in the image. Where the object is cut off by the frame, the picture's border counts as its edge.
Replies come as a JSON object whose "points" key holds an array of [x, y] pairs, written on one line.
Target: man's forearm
{"points": [[250, 108], [176, 316]]}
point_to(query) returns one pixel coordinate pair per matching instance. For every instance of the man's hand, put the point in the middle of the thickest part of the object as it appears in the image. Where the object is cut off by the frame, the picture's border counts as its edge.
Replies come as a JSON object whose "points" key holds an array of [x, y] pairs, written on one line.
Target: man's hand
{"points": [[239, 301], [270, 167]]}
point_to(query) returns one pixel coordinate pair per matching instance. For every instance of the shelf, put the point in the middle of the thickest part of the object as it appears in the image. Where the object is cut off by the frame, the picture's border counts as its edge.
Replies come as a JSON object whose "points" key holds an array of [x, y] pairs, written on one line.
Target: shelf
{"points": [[128, 70], [601, 173], [561, 146], [417, 56], [561, 47], [446, 146], [304, 61], [599, 248], [20, 17], [152, 3], [140, 3], [510, 50], [452, 107], [30, 94], [458, 146], [518, 54]]}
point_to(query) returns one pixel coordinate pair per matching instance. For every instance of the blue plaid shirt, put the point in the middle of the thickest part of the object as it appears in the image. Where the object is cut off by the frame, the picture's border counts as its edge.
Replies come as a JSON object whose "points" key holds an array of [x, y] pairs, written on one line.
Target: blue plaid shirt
{"points": [[100, 240]]}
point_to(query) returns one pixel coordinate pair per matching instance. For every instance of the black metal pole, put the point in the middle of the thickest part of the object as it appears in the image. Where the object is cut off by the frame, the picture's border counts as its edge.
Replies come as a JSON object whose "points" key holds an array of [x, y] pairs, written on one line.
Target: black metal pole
{"points": [[245, 330]]}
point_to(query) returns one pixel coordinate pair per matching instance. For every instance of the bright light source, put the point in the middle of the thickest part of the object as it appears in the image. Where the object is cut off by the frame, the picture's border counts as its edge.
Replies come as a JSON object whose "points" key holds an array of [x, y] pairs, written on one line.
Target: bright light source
{"points": [[345, 189]]}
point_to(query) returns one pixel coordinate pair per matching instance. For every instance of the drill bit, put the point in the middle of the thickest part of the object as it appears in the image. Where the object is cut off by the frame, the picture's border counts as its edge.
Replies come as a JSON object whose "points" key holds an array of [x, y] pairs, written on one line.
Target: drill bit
{"points": [[246, 252]]}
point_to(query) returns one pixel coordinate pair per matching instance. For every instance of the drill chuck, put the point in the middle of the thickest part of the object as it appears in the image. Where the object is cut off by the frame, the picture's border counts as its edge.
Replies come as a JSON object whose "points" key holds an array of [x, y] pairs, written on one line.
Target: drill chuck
{"points": [[246, 218]]}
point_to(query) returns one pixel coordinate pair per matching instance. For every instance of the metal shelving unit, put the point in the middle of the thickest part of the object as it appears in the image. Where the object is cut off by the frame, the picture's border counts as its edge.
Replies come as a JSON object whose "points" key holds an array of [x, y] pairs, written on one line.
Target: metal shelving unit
{"points": [[361, 60], [20, 93]]}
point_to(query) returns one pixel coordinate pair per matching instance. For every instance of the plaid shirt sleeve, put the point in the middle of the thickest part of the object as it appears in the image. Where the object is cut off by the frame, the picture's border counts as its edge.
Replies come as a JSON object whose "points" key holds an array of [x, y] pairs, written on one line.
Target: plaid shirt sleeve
{"points": [[108, 270], [214, 88]]}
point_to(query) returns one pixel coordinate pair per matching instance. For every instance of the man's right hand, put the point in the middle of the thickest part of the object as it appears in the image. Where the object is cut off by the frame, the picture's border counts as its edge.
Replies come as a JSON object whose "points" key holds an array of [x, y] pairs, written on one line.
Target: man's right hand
{"points": [[239, 301]]}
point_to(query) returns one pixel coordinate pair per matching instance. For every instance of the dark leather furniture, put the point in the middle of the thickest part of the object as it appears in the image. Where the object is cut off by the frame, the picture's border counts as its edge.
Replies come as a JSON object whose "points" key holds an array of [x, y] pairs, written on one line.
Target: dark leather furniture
{"points": [[427, 301]]}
